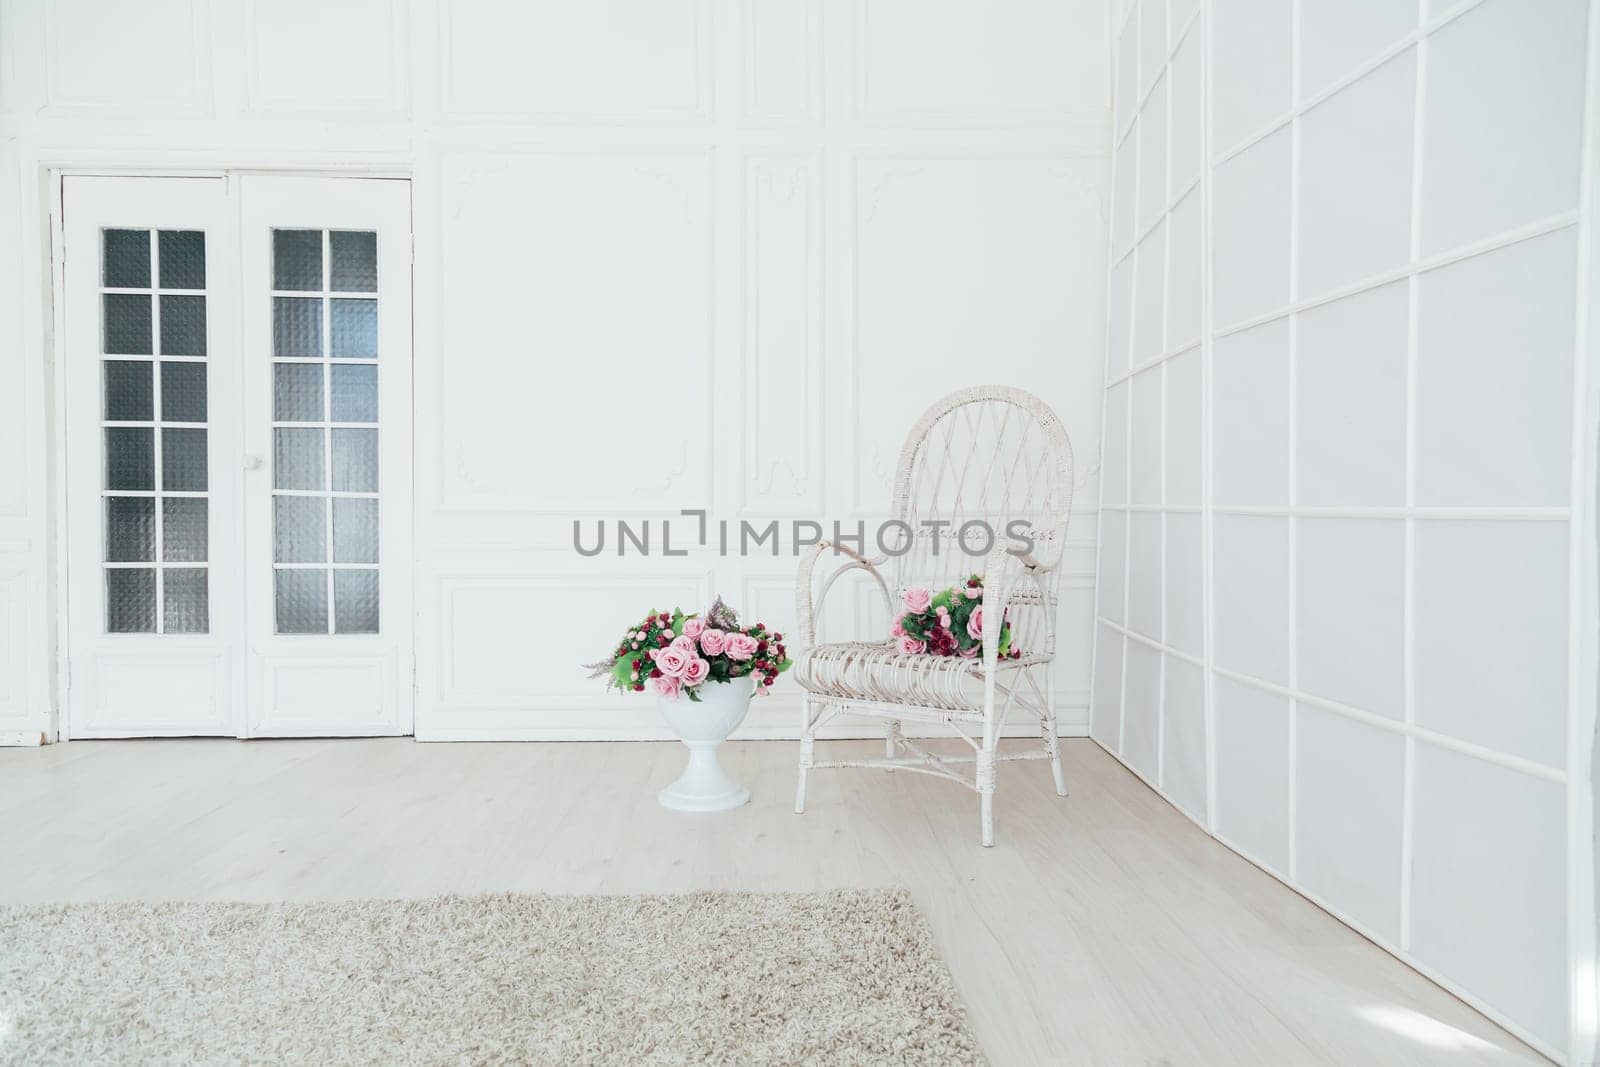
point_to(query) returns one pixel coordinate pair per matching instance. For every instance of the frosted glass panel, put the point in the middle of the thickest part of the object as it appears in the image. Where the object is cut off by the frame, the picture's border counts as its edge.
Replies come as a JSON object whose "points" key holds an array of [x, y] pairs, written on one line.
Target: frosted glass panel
{"points": [[128, 393], [355, 530], [183, 392], [127, 324], [355, 261], [299, 529], [183, 325], [302, 601], [355, 602], [130, 458], [355, 329], [297, 259], [314, 528], [297, 392], [185, 607], [184, 529], [161, 392], [297, 459], [355, 392], [130, 529], [183, 259], [126, 263], [183, 460], [355, 461], [296, 327], [130, 601]]}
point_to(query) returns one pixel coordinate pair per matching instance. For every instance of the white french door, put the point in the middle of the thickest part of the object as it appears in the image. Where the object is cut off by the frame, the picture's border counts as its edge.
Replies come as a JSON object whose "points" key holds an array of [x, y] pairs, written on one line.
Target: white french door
{"points": [[238, 470]]}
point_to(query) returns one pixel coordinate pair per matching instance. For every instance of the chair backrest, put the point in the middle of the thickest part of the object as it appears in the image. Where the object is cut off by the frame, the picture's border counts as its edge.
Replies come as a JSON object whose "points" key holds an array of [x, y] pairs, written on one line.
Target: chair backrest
{"points": [[993, 455]]}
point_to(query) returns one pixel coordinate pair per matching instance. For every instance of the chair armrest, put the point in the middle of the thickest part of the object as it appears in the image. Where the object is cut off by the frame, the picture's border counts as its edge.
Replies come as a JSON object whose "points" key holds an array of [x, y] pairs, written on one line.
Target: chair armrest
{"points": [[806, 607], [1005, 573]]}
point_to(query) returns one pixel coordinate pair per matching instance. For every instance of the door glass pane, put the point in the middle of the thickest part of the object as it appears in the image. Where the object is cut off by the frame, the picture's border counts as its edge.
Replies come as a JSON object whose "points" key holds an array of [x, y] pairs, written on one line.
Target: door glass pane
{"points": [[355, 602], [130, 600], [130, 458], [355, 530], [183, 259], [325, 472], [183, 392], [355, 329], [299, 529], [297, 392], [297, 259], [130, 529], [297, 459], [126, 260], [129, 396], [184, 600], [183, 325], [160, 458], [355, 261], [184, 529], [355, 461], [183, 460], [296, 327], [127, 324], [301, 597], [355, 392]]}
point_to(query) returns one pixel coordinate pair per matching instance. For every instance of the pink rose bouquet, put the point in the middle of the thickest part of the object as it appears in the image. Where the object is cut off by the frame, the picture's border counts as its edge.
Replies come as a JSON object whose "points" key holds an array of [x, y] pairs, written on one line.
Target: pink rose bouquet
{"points": [[675, 654], [947, 623]]}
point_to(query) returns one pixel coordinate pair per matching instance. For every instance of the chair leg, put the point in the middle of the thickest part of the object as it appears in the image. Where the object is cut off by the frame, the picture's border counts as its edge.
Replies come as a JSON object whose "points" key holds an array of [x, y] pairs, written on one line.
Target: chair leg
{"points": [[985, 779], [1051, 745], [806, 744], [891, 740]]}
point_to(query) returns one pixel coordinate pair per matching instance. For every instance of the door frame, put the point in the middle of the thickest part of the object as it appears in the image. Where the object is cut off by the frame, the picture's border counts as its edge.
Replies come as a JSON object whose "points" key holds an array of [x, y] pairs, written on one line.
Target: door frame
{"points": [[54, 172]]}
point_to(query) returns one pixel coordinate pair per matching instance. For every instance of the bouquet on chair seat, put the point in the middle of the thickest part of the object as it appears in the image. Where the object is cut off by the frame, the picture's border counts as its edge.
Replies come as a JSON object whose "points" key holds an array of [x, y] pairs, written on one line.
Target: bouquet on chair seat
{"points": [[948, 623]]}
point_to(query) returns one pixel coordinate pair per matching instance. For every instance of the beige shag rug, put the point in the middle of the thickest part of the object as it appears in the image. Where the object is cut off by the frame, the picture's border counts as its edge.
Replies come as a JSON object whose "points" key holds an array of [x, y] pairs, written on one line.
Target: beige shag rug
{"points": [[839, 977]]}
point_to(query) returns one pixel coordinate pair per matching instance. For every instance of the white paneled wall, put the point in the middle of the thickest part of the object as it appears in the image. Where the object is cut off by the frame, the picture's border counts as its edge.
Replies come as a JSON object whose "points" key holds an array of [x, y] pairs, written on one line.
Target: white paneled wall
{"points": [[668, 253], [1343, 571]]}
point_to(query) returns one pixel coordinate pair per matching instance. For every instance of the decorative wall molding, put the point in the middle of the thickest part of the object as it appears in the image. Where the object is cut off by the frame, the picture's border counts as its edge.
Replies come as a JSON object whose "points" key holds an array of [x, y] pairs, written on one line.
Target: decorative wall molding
{"points": [[185, 24], [783, 428], [390, 96], [805, 59], [609, 72]]}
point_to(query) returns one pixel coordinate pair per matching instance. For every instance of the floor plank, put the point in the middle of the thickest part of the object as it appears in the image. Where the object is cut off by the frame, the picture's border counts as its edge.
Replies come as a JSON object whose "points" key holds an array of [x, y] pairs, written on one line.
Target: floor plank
{"points": [[1104, 928]]}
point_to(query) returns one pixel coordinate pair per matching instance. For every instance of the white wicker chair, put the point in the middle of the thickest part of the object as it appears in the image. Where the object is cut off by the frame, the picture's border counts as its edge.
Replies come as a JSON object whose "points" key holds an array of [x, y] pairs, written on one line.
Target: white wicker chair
{"points": [[991, 454]]}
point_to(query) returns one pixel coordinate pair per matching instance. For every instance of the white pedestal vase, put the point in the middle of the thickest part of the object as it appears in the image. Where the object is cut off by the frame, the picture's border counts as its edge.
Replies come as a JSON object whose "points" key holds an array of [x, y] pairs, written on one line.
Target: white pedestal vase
{"points": [[703, 725]]}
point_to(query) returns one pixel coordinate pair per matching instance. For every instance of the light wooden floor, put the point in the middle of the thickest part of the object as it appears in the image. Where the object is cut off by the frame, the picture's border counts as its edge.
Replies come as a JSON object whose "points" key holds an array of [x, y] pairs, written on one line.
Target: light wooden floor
{"points": [[1102, 929]]}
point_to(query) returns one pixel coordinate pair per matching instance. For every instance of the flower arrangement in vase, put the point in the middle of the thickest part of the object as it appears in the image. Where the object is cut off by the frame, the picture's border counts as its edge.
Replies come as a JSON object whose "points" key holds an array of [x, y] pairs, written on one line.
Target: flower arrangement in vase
{"points": [[948, 623], [703, 671]]}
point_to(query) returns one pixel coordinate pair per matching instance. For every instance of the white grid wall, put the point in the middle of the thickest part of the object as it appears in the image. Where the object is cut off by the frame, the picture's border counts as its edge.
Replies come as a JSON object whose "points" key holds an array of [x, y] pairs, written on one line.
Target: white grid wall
{"points": [[1338, 535]]}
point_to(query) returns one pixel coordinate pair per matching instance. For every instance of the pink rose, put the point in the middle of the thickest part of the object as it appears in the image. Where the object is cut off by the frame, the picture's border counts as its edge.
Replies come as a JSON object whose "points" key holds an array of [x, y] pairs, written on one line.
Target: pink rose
{"points": [[692, 627], [740, 647], [672, 662], [713, 641], [975, 624], [911, 646], [944, 620], [917, 600], [683, 643], [667, 687], [696, 671], [974, 592], [971, 650], [898, 628]]}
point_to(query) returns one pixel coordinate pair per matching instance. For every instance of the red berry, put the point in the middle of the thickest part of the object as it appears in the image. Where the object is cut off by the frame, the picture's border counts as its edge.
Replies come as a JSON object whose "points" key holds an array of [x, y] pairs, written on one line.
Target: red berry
{"points": [[655, 672]]}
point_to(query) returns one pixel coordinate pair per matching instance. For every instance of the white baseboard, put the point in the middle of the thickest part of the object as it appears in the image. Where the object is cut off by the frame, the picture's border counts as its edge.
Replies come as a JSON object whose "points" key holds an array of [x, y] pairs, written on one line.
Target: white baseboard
{"points": [[21, 738], [778, 723]]}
